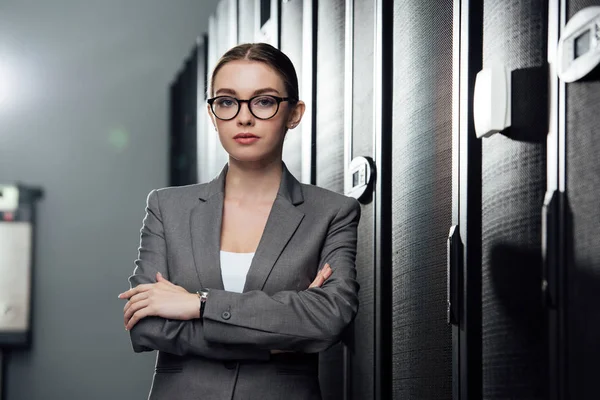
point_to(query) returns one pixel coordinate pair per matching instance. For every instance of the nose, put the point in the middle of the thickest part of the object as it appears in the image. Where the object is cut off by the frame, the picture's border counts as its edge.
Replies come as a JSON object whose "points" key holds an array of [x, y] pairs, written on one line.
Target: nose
{"points": [[244, 116]]}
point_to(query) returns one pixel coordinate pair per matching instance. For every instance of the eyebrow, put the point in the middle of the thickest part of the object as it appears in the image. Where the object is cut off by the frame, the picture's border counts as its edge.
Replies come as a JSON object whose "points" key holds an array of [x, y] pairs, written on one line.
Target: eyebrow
{"points": [[256, 92]]}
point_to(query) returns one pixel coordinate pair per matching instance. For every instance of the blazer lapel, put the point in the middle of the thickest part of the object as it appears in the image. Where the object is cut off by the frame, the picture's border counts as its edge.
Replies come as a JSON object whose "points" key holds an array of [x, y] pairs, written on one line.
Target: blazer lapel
{"points": [[281, 225], [205, 225], [206, 220]]}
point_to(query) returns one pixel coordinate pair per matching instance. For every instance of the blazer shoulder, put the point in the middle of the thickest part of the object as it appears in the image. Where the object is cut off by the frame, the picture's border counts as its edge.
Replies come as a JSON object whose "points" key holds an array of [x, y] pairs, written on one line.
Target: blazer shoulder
{"points": [[188, 190], [178, 195], [316, 195]]}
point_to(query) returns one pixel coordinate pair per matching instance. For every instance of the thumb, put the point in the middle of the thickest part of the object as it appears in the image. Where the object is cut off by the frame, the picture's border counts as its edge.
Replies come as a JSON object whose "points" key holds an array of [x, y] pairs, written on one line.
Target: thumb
{"points": [[160, 278]]}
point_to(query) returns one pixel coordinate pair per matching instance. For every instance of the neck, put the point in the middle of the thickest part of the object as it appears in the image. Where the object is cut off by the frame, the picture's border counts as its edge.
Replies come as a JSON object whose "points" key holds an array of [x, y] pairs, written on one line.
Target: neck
{"points": [[253, 181]]}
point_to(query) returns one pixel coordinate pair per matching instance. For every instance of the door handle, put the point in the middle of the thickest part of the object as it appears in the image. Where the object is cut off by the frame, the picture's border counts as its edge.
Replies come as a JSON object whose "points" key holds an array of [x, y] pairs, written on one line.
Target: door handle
{"points": [[454, 268]]}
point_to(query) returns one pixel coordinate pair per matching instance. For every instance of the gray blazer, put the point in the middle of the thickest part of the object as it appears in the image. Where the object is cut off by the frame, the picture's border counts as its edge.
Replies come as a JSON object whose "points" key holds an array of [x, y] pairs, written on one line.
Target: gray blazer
{"points": [[226, 354]]}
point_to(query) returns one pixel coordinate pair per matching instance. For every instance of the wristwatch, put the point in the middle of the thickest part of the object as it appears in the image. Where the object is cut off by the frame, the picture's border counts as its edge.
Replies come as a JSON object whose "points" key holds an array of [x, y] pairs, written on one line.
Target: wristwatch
{"points": [[203, 295]]}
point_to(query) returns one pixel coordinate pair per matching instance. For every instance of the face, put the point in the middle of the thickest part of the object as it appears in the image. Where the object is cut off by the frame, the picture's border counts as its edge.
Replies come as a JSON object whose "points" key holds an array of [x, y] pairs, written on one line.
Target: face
{"points": [[242, 80]]}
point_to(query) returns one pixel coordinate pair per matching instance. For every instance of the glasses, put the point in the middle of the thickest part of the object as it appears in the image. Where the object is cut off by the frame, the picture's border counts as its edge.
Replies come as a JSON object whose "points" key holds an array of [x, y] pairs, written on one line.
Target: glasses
{"points": [[262, 107]]}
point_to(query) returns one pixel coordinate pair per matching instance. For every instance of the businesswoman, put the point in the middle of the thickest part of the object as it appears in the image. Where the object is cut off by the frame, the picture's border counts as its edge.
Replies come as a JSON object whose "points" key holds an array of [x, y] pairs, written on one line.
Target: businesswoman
{"points": [[241, 281]]}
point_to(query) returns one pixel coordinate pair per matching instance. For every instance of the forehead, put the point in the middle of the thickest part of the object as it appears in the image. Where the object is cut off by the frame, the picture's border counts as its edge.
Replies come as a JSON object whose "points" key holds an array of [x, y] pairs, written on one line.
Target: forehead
{"points": [[245, 77]]}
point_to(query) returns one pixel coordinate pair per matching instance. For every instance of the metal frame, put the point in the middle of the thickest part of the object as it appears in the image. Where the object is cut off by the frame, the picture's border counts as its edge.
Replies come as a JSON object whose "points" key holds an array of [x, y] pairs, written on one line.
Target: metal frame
{"points": [[382, 155], [466, 200], [309, 91], [348, 143], [554, 215], [348, 90]]}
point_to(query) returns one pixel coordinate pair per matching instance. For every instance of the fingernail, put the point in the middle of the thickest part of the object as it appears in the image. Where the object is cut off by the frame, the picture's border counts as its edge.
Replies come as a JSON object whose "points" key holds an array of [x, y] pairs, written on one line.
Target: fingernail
{"points": [[159, 274]]}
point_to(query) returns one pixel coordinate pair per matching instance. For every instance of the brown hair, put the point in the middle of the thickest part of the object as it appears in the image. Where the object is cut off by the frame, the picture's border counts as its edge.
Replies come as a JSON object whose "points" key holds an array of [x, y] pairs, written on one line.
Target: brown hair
{"points": [[265, 53]]}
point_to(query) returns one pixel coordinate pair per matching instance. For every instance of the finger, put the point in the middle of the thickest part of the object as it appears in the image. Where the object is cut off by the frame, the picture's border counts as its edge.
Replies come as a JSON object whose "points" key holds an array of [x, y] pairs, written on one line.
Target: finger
{"points": [[143, 313], [135, 309], [318, 281], [134, 320], [319, 275], [322, 272], [138, 289], [135, 298]]}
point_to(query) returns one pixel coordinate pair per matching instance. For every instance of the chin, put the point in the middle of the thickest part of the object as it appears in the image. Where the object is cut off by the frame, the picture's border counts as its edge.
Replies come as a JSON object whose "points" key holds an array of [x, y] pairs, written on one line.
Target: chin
{"points": [[247, 156], [253, 156]]}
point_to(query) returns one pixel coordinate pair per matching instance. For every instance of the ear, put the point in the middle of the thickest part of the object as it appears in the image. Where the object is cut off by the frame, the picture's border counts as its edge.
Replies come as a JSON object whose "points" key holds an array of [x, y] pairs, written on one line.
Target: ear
{"points": [[211, 116], [296, 115]]}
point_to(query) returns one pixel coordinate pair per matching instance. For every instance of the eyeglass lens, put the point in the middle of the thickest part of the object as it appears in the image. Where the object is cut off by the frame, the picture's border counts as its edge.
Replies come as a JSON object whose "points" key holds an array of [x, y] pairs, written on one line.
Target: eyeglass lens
{"points": [[261, 106]]}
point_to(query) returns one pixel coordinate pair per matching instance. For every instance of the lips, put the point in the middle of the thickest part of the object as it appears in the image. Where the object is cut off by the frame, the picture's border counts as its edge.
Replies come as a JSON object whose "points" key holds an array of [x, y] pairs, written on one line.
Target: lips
{"points": [[244, 136]]}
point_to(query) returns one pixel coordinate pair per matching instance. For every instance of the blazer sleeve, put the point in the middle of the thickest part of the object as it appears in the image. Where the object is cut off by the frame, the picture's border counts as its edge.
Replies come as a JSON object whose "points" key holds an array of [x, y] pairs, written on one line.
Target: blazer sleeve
{"points": [[309, 321], [173, 336]]}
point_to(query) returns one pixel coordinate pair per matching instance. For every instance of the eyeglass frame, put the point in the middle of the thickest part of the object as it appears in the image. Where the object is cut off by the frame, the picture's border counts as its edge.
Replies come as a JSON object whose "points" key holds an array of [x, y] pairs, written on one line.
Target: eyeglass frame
{"points": [[277, 98]]}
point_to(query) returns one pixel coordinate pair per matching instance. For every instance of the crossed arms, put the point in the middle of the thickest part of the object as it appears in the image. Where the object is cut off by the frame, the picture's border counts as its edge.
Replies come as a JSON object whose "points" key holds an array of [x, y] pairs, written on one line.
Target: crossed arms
{"points": [[307, 321]]}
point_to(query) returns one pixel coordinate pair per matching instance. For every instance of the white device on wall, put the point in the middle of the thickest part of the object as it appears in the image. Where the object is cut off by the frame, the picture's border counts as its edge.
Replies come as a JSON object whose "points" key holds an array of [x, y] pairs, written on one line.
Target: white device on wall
{"points": [[492, 101], [360, 179], [16, 256], [578, 51]]}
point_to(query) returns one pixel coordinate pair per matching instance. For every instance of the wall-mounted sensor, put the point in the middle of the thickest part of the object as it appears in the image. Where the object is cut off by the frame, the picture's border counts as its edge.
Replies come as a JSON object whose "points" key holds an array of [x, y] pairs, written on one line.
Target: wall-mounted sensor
{"points": [[491, 101], [578, 51], [360, 179], [9, 198]]}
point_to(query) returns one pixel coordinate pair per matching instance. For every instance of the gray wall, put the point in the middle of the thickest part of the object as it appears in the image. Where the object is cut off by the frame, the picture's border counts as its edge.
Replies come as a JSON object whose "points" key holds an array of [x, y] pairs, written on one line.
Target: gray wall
{"points": [[86, 119]]}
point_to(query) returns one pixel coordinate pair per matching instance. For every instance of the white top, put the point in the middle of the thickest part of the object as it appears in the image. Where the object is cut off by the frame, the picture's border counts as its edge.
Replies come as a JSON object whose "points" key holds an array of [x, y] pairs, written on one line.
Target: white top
{"points": [[234, 268]]}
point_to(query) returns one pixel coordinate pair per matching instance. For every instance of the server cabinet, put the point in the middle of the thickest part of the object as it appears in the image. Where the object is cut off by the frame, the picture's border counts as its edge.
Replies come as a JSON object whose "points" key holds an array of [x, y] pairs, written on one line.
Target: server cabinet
{"points": [[571, 278], [359, 136], [364, 152], [514, 340], [329, 163], [421, 198]]}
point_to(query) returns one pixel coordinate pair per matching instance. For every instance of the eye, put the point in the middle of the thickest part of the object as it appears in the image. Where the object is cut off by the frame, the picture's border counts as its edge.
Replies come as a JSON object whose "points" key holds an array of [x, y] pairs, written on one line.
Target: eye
{"points": [[264, 102], [225, 102]]}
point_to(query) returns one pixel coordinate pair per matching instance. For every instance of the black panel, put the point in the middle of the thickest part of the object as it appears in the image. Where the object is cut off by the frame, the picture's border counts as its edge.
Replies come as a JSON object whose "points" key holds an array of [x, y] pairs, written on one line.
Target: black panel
{"points": [[291, 45], [183, 147], [422, 199], [514, 339], [583, 267], [202, 120], [330, 146], [363, 350]]}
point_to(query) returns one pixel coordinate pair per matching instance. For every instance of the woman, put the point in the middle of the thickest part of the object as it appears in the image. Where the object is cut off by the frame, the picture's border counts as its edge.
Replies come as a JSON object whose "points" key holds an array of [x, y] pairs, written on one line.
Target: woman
{"points": [[241, 281]]}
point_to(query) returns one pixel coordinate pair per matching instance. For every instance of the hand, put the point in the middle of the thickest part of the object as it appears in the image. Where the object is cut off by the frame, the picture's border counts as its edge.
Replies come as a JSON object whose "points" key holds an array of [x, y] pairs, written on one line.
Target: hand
{"points": [[322, 276], [160, 299]]}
